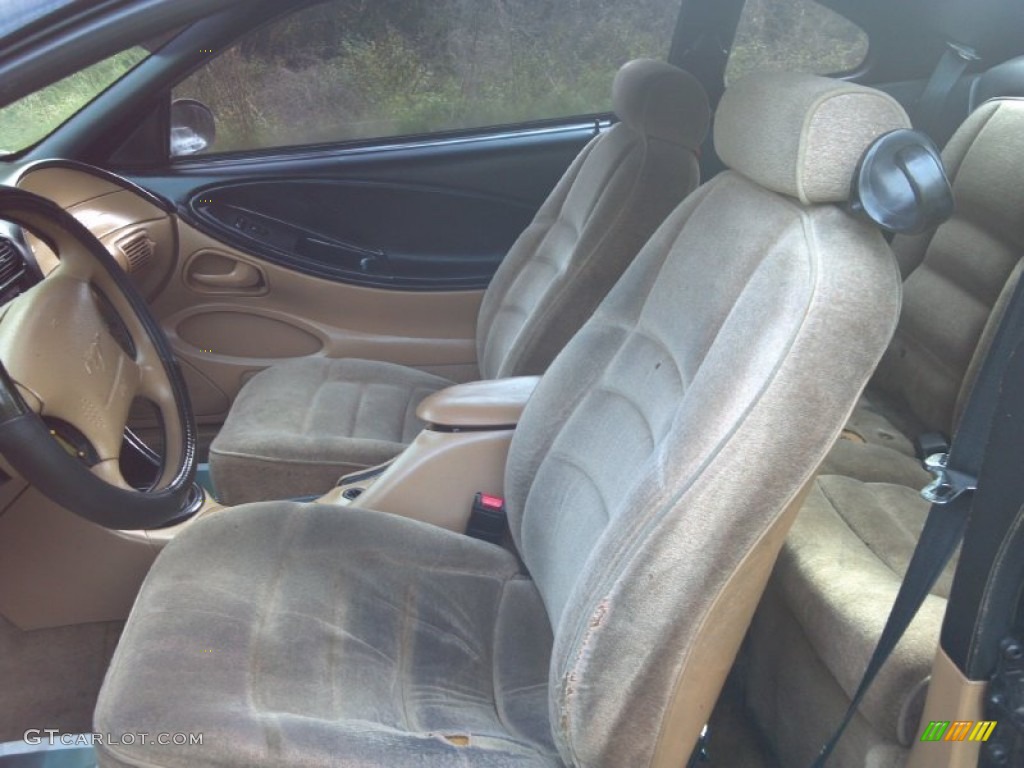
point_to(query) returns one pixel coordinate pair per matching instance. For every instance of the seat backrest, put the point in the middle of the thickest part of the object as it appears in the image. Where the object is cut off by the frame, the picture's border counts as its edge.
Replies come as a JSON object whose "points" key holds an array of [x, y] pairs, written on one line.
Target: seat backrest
{"points": [[1004, 80], [959, 275], [659, 463], [617, 192]]}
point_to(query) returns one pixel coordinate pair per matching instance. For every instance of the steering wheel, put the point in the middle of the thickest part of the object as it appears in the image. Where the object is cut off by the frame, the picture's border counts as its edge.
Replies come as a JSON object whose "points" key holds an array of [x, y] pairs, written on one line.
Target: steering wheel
{"points": [[75, 351]]}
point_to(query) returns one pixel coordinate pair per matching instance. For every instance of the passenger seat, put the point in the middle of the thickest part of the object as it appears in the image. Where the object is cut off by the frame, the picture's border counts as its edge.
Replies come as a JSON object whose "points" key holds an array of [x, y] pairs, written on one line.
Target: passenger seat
{"points": [[297, 427], [845, 557]]}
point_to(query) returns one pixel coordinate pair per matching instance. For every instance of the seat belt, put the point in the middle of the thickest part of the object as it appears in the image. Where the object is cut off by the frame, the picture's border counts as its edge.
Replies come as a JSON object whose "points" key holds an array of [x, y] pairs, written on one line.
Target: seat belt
{"points": [[954, 61], [951, 495]]}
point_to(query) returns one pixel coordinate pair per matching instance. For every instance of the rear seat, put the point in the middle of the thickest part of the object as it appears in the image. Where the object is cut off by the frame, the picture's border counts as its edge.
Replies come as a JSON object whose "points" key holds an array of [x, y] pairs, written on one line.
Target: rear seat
{"points": [[841, 567]]}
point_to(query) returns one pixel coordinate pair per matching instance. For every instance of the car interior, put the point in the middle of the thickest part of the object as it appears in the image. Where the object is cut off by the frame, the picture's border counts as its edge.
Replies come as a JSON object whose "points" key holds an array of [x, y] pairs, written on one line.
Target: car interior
{"points": [[349, 416]]}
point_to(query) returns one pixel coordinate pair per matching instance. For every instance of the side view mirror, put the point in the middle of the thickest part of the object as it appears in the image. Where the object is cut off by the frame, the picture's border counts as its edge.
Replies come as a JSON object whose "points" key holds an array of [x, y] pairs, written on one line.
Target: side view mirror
{"points": [[193, 128]]}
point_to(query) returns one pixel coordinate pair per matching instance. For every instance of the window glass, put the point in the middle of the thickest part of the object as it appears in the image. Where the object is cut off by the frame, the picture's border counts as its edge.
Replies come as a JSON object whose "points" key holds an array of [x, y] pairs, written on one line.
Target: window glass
{"points": [[35, 116], [794, 36], [355, 69]]}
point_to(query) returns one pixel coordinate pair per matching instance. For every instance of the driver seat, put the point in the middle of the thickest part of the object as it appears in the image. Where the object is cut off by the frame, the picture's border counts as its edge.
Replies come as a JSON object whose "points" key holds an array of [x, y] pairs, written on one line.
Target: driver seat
{"points": [[649, 486]]}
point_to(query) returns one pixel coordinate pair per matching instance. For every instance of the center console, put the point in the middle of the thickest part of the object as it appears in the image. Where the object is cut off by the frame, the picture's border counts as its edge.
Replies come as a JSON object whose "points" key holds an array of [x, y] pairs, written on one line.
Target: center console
{"points": [[461, 452]]}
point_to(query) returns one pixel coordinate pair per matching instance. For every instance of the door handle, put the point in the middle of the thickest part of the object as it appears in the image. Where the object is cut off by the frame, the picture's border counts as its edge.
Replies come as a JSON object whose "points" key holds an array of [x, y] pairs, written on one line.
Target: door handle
{"points": [[241, 277]]}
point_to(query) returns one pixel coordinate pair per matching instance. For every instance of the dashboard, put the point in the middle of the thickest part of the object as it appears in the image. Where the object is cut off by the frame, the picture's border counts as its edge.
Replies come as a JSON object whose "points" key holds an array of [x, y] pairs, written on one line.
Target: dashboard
{"points": [[135, 226]]}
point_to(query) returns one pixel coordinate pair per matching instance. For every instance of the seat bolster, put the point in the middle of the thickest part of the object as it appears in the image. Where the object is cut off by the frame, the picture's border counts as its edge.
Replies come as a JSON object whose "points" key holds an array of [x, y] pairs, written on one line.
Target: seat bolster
{"points": [[297, 427], [839, 581], [295, 635]]}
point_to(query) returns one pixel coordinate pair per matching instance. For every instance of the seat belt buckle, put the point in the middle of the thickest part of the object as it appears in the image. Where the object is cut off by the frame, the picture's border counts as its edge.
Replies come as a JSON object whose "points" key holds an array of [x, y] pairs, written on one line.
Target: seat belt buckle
{"points": [[487, 521], [948, 484]]}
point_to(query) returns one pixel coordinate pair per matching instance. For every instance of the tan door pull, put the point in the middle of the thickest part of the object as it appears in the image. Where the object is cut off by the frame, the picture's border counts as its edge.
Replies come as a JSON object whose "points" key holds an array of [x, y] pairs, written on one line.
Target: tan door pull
{"points": [[241, 277]]}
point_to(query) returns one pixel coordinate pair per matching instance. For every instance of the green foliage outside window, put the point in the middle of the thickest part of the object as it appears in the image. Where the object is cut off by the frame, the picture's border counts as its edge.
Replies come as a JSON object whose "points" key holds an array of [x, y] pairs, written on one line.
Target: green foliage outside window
{"points": [[794, 36], [34, 117], [354, 69]]}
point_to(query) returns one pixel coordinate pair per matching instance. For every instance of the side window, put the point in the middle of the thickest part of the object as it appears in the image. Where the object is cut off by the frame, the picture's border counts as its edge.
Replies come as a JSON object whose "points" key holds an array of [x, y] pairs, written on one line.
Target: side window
{"points": [[35, 116], [349, 69], [794, 36]]}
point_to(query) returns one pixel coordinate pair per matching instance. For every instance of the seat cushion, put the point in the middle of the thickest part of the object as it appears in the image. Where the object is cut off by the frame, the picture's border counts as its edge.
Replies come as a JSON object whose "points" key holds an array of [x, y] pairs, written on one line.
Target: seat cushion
{"points": [[305, 635], [296, 428], [876, 421], [796, 700], [839, 573], [873, 449]]}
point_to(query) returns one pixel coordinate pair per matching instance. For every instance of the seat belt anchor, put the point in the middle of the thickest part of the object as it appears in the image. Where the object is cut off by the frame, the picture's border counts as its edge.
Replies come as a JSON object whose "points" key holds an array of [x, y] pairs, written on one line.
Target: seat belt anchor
{"points": [[964, 52], [948, 484]]}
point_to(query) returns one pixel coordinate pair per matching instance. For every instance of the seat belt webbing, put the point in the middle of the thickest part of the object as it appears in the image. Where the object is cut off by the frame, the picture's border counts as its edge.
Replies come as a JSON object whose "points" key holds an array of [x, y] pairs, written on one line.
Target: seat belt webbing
{"points": [[951, 66], [951, 495]]}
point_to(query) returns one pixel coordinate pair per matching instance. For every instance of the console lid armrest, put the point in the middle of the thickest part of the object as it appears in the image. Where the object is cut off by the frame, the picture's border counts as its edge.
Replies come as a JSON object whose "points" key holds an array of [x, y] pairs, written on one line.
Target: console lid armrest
{"points": [[495, 403]]}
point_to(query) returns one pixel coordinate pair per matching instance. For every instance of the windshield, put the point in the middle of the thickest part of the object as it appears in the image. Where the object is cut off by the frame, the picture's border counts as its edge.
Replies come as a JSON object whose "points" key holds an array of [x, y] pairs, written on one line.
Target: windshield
{"points": [[35, 116]]}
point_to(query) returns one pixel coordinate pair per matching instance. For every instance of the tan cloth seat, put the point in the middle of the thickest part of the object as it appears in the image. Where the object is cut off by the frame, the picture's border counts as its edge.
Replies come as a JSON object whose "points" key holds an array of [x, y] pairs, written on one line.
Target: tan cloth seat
{"points": [[836, 579], [839, 572], [274, 444], [640, 497]]}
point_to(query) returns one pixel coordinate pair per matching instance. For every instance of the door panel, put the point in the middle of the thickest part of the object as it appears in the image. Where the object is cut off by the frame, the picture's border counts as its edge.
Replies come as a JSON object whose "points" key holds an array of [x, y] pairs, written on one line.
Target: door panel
{"points": [[223, 338], [443, 213], [365, 233], [436, 215]]}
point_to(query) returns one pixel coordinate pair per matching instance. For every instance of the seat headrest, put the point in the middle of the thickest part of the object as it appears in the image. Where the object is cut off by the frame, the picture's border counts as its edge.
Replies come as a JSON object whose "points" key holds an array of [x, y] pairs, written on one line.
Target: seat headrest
{"points": [[901, 184], [662, 101], [802, 135]]}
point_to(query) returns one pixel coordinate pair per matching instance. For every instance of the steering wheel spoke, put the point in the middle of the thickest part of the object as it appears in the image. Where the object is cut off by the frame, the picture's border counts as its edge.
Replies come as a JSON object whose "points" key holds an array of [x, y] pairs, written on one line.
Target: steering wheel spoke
{"points": [[109, 471]]}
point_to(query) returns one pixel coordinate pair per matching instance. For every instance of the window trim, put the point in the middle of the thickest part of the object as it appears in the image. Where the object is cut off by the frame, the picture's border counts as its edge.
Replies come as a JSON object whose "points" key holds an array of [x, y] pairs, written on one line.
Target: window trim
{"points": [[596, 122]]}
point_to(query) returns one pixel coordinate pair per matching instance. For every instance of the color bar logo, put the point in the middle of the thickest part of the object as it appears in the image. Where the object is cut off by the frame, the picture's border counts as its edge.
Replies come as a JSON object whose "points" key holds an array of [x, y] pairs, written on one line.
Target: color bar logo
{"points": [[958, 730]]}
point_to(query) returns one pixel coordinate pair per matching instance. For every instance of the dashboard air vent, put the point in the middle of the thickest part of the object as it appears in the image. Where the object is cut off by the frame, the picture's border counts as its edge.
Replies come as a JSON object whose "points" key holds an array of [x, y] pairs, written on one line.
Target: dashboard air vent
{"points": [[12, 267], [138, 249]]}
